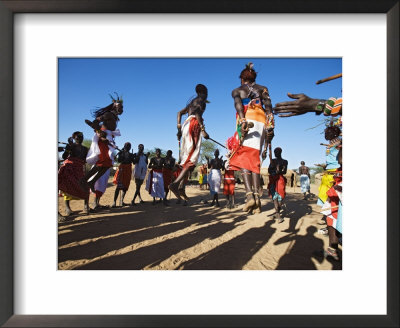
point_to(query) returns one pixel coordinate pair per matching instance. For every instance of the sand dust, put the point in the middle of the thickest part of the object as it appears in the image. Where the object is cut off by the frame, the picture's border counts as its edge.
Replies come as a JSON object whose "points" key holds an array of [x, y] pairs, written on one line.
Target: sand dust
{"points": [[155, 237]]}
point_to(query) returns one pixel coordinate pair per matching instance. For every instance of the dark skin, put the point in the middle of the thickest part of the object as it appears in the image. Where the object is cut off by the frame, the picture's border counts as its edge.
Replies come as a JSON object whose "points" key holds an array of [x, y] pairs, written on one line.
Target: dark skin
{"points": [[277, 166], [169, 163], [157, 163], [197, 108], [230, 199], [123, 157], [304, 170], [139, 182], [215, 164], [109, 119], [302, 105], [251, 179], [76, 149]]}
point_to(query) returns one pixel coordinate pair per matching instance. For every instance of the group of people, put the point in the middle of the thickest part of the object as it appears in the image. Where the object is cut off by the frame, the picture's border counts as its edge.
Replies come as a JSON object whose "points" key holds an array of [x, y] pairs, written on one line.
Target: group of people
{"points": [[250, 143]]}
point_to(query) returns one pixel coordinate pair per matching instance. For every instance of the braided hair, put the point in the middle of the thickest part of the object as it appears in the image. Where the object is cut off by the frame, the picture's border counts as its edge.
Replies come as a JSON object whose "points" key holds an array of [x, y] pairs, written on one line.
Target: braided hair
{"points": [[248, 74]]}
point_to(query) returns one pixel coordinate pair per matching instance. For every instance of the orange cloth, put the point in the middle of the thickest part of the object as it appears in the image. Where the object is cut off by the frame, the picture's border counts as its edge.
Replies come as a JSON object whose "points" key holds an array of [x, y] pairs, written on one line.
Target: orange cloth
{"points": [[122, 178]]}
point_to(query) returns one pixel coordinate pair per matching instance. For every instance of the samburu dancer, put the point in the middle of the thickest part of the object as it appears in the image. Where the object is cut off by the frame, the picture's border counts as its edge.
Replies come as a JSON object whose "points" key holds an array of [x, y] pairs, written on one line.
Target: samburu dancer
{"points": [[101, 152], [255, 128], [190, 132]]}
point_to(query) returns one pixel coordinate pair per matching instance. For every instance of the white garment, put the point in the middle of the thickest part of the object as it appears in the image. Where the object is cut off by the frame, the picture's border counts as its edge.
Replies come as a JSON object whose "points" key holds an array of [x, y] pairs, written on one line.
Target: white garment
{"points": [[102, 183], [214, 180], [157, 184], [304, 183], [187, 144], [94, 150], [140, 169]]}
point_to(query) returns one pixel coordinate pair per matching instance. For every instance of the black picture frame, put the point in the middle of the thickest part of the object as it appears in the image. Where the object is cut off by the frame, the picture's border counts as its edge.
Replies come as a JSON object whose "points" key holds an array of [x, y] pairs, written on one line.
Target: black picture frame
{"points": [[7, 11]]}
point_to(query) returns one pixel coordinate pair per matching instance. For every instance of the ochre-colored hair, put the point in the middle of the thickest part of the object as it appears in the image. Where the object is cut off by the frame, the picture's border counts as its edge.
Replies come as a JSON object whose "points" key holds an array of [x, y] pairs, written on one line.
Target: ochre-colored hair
{"points": [[248, 74]]}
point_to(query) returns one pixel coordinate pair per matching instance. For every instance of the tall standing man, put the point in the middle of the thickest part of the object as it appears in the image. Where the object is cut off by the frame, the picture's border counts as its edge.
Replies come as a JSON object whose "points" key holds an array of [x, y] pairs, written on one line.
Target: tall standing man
{"points": [[304, 172], [277, 181], [253, 108], [139, 172]]}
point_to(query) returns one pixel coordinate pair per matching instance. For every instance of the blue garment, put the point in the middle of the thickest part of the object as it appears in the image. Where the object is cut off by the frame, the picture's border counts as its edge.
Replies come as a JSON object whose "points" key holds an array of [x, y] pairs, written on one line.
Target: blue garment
{"points": [[332, 158], [339, 218], [304, 183]]}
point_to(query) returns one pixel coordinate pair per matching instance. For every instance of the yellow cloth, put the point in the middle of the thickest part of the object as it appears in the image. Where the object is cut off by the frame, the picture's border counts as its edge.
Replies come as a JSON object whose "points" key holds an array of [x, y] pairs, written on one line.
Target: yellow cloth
{"points": [[69, 197], [200, 178], [326, 184]]}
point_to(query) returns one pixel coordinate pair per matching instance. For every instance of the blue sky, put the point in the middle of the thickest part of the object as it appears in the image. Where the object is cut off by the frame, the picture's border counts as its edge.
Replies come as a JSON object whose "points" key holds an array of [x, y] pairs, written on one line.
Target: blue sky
{"points": [[155, 89]]}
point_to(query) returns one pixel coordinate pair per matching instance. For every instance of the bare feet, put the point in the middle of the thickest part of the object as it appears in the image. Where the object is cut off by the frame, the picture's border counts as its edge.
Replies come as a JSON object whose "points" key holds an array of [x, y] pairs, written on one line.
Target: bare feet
{"points": [[250, 202], [173, 187], [257, 205]]}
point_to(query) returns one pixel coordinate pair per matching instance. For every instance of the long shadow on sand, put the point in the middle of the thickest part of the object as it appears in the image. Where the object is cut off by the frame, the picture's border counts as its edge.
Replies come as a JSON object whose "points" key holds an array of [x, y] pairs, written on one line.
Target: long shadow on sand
{"points": [[133, 226], [235, 253], [154, 254]]}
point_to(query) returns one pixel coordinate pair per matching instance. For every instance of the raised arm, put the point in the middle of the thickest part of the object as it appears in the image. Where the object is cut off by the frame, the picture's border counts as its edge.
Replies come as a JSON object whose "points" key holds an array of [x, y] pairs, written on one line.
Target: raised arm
{"points": [[304, 104]]}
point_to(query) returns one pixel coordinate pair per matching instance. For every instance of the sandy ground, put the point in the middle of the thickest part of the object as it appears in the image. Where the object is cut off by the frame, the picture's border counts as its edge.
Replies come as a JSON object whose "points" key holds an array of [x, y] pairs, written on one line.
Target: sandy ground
{"points": [[193, 237]]}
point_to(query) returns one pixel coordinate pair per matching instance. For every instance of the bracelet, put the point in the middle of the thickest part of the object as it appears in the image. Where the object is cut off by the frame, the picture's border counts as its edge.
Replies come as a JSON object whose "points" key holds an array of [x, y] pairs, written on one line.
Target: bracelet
{"points": [[329, 106], [242, 120], [320, 107]]}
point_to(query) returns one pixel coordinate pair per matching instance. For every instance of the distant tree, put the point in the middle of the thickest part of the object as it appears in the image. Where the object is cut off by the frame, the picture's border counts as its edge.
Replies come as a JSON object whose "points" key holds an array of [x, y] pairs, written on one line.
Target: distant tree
{"points": [[207, 149], [315, 170], [87, 142], [153, 152]]}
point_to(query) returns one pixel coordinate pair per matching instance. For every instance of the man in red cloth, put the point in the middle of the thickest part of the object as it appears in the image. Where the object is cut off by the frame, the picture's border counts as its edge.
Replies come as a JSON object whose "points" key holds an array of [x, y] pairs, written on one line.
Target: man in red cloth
{"points": [[190, 132], [122, 177], [168, 173], [72, 171], [277, 181]]}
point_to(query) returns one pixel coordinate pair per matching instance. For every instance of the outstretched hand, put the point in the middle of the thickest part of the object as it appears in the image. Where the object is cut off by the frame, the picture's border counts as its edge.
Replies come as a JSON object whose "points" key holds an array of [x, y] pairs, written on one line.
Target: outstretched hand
{"points": [[205, 135], [303, 104]]}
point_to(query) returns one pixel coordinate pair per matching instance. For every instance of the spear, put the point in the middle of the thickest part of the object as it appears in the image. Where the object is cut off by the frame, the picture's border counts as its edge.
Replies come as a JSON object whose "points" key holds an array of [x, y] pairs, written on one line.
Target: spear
{"points": [[217, 142], [329, 78]]}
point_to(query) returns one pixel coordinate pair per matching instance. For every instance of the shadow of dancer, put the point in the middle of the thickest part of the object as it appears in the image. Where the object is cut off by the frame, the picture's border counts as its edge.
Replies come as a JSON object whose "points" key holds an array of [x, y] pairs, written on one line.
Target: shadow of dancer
{"points": [[295, 211], [233, 254], [301, 250]]}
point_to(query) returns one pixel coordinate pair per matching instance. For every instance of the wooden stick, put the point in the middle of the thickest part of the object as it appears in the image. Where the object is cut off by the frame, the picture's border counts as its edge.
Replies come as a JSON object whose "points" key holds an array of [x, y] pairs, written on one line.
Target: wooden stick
{"points": [[329, 78], [329, 208], [217, 142]]}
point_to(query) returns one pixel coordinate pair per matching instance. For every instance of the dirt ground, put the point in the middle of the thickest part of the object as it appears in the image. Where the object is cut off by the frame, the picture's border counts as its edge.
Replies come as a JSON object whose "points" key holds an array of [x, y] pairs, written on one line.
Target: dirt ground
{"points": [[194, 237]]}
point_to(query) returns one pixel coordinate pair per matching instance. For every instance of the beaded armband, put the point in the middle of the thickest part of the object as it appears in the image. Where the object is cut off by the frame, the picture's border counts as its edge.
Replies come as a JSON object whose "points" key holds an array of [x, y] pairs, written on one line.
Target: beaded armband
{"points": [[320, 107]]}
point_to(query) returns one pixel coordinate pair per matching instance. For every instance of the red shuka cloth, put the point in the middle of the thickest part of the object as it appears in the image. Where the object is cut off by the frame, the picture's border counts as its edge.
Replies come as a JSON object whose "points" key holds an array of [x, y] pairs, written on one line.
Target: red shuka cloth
{"points": [[229, 182], [69, 176], [104, 159], [167, 176], [278, 182], [122, 178], [194, 130]]}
